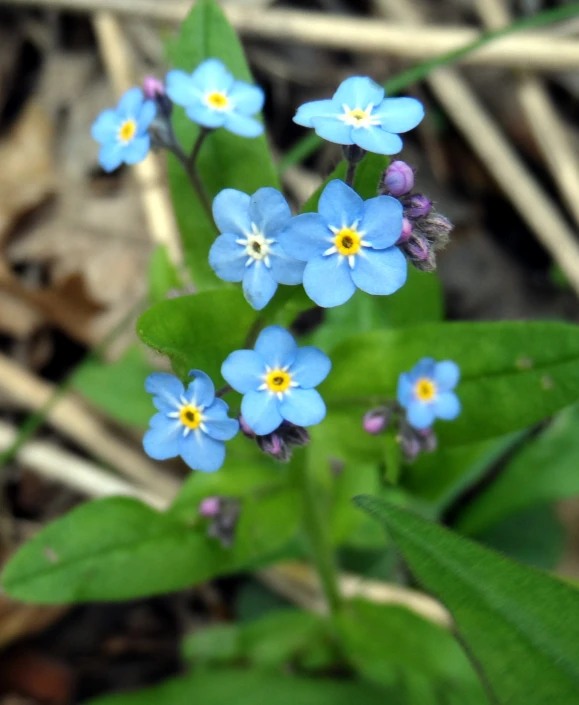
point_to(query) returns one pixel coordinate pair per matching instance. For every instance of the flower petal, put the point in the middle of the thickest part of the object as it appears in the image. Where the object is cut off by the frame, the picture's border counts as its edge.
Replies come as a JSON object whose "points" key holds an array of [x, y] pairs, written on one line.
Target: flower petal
{"points": [[276, 347], [382, 221], [200, 392], [269, 210], [136, 150], [399, 114], [328, 282], [106, 127], [201, 452], [181, 88], [315, 108], [447, 406], [111, 156], [166, 390], [423, 368], [446, 375], [217, 424], [146, 116], [340, 205], [227, 258], [246, 99], [231, 211], [333, 130], [358, 92], [243, 370], [212, 76], [260, 411], [404, 393], [420, 415], [285, 269], [373, 139], [242, 125], [162, 440], [380, 272], [305, 236], [303, 407], [310, 367], [203, 115], [130, 104], [258, 285]]}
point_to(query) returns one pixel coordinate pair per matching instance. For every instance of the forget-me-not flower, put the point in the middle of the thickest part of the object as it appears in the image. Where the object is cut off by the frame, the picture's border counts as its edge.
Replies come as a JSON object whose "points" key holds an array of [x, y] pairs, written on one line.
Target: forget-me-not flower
{"points": [[360, 114], [426, 392], [213, 98], [123, 132], [277, 380], [191, 422], [349, 243], [248, 249]]}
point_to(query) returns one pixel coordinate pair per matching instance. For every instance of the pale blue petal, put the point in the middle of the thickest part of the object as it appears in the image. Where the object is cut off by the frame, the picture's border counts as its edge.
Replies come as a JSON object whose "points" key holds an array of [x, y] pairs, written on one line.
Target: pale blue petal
{"points": [[203, 115], [200, 392], [146, 116], [181, 88], [447, 406], [231, 211], [246, 99], [166, 390], [380, 272], [136, 150], [424, 368], [328, 282], [201, 452], [276, 346], [261, 413], [227, 258], [242, 125], [130, 104], [340, 205], [303, 407], [161, 441], [269, 210], [285, 269], [106, 127], [310, 368], [315, 108], [373, 139], [382, 221], [420, 415], [306, 236], [217, 424], [212, 76], [399, 114], [258, 285], [111, 156], [358, 92], [405, 390], [446, 375], [243, 370], [333, 130]]}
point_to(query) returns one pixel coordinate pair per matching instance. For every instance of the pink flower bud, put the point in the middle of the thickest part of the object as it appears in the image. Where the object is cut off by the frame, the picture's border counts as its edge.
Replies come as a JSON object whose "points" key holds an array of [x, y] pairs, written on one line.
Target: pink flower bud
{"points": [[417, 206], [210, 507], [153, 88], [245, 429], [406, 232], [376, 421], [399, 178]]}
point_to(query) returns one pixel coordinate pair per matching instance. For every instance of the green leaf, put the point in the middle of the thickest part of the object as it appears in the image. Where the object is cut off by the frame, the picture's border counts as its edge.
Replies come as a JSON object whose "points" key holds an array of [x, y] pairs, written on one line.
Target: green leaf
{"points": [[510, 378], [163, 276], [119, 549], [226, 160], [519, 624], [118, 388], [198, 331], [543, 471], [228, 687]]}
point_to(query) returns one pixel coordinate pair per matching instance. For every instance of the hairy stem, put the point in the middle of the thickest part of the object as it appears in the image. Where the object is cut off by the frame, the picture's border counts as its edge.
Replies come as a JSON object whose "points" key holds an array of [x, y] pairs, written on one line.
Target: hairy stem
{"points": [[189, 163], [351, 173]]}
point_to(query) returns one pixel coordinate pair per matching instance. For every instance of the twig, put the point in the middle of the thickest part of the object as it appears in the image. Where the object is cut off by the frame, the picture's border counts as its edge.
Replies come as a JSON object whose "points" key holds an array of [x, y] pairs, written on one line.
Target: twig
{"points": [[535, 50]]}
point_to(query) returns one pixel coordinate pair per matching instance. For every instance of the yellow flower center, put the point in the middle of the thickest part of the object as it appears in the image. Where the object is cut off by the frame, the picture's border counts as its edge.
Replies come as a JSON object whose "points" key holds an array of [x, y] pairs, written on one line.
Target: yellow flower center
{"points": [[357, 114], [128, 130], [278, 381], [217, 101], [425, 389], [190, 416], [348, 241]]}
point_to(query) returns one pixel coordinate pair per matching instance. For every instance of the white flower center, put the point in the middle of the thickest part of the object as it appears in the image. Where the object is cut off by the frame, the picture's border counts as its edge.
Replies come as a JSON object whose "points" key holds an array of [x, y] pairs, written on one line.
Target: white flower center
{"points": [[359, 117], [257, 246]]}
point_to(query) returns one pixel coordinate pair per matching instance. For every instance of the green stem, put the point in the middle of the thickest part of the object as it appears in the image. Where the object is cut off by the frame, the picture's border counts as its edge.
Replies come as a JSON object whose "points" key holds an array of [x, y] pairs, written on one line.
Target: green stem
{"points": [[392, 457], [318, 535], [189, 163], [351, 173]]}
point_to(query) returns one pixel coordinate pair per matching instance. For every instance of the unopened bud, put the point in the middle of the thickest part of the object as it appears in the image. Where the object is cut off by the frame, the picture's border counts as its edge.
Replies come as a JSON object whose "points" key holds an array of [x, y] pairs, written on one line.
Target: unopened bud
{"points": [[210, 507], [275, 446], [417, 248], [376, 421], [428, 440], [406, 232], [437, 229], [153, 87], [398, 179], [416, 206], [294, 435], [222, 526], [410, 448]]}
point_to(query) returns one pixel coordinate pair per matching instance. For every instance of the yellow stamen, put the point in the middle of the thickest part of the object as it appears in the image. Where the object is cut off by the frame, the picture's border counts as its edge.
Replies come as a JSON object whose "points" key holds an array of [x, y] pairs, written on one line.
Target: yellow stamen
{"points": [[128, 130], [425, 389], [218, 101], [278, 381], [357, 114], [347, 241], [190, 416]]}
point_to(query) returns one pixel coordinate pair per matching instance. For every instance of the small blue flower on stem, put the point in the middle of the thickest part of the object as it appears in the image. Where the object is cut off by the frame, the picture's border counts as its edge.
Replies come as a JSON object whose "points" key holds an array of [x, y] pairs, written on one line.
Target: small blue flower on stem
{"points": [[349, 243], [123, 132], [277, 380], [426, 392], [191, 423], [359, 114], [248, 250], [213, 98]]}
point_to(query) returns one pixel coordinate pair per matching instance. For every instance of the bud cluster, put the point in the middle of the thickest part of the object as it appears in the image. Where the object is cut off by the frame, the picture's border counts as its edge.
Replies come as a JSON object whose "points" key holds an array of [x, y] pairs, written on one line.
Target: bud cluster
{"points": [[280, 443], [222, 514]]}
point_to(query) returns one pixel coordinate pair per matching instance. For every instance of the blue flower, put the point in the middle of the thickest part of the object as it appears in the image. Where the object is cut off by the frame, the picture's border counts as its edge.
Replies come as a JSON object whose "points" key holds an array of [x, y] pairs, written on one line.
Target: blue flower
{"points": [[426, 392], [213, 98], [277, 380], [123, 133], [248, 249], [359, 114], [191, 423], [349, 243]]}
